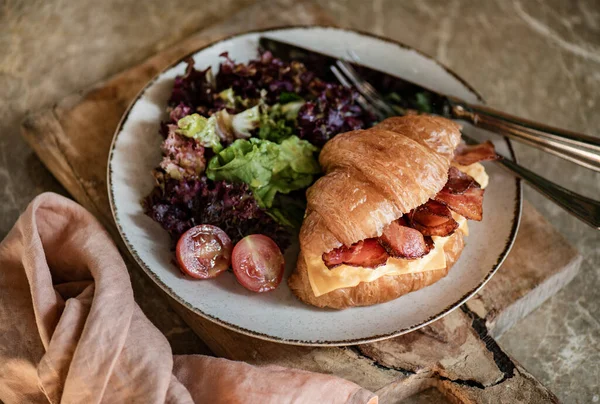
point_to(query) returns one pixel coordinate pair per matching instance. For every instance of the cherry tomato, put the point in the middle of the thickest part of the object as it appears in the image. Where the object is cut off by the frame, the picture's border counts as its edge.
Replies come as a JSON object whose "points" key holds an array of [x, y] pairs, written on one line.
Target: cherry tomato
{"points": [[258, 263], [204, 251]]}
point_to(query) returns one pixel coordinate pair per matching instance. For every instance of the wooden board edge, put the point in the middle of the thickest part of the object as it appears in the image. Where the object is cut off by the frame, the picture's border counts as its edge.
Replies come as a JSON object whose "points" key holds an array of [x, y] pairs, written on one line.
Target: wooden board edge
{"points": [[520, 387], [42, 131], [521, 308]]}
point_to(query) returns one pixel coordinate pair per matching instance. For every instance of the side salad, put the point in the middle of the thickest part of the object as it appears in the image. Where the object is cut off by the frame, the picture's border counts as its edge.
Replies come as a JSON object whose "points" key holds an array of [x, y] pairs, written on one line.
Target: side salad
{"points": [[240, 148]]}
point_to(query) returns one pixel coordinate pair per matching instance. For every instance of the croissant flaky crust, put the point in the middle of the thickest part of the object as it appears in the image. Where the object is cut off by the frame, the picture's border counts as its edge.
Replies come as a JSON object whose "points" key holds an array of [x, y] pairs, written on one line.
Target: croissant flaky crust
{"points": [[372, 177]]}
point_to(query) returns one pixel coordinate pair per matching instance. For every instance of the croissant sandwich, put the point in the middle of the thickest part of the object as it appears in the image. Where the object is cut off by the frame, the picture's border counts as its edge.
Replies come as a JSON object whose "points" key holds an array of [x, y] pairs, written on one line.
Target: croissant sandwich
{"points": [[389, 215]]}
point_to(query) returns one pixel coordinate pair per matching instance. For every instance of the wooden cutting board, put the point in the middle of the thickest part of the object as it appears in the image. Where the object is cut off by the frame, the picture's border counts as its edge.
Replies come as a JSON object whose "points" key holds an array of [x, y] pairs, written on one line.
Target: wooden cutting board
{"points": [[456, 354]]}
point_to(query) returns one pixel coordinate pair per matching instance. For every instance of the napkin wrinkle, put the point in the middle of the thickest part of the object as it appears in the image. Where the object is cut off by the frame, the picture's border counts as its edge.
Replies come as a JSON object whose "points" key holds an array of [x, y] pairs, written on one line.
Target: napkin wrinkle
{"points": [[71, 332]]}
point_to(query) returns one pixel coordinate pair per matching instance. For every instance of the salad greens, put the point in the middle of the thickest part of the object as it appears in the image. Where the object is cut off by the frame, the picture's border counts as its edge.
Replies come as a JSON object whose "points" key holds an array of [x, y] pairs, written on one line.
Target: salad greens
{"points": [[241, 146], [245, 122], [203, 130], [228, 96], [267, 167], [423, 102], [278, 121]]}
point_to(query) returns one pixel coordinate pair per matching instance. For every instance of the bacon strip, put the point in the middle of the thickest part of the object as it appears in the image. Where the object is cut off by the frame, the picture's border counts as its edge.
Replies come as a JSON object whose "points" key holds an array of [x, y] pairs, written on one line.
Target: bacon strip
{"points": [[411, 239], [462, 194], [459, 182], [468, 204], [366, 253], [467, 155], [398, 240], [433, 219], [401, 241]]}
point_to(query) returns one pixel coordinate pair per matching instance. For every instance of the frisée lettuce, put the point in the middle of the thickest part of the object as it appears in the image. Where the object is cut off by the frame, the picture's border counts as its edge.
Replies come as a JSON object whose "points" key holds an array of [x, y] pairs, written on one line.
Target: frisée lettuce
{"points": [[203, 130]]}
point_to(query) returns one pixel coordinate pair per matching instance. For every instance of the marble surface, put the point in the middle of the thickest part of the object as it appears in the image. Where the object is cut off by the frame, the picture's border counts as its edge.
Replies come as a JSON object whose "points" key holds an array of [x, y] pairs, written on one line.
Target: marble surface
{"points": [[535, 58]]}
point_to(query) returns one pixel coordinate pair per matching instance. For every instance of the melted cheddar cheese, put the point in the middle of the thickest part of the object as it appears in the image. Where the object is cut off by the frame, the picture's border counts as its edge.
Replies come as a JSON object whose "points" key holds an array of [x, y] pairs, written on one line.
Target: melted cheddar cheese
{"points": [[324, 280]]}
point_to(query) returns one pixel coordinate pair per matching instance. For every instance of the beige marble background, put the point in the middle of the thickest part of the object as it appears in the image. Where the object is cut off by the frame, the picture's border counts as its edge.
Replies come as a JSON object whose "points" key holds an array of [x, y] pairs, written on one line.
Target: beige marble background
{"points": [[535, 58]]}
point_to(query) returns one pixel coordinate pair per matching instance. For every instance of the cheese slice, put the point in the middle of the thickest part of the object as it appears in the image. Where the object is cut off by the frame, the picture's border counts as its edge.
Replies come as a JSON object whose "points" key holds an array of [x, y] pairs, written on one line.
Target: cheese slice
{"points": [[475, 170], [324, 280]]}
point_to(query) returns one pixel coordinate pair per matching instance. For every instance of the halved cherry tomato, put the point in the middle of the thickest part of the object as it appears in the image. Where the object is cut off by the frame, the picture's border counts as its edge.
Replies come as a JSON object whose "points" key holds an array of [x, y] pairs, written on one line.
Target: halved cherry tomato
{"points": [[204, 251], [258, 263]]}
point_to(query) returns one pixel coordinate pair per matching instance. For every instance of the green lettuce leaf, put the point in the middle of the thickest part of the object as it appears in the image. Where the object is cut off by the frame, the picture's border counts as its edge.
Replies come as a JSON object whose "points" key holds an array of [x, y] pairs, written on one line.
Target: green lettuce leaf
{"points": [[203, 130], [287, 96], [234, 101], [290, 110], [423, 102], [228, 96], [288, 210], [299, 155], [274, 131], [246, 121], [278, 122], [267, 167]]}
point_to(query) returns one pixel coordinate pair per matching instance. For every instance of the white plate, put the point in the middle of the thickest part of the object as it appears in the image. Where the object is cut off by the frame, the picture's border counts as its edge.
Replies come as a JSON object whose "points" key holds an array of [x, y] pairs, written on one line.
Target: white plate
{"points": [[278, 315]]}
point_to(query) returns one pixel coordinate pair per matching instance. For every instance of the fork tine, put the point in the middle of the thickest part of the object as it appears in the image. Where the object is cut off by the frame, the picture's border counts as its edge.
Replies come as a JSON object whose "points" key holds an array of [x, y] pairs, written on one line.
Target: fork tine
{"points": [[356, 81], [361, 100], [341, 78], [365, 88], [350, 71]]}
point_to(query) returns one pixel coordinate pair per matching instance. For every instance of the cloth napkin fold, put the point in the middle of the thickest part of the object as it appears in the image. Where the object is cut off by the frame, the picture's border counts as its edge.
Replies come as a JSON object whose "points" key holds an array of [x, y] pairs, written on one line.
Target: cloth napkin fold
{"points": [[71, 332]]}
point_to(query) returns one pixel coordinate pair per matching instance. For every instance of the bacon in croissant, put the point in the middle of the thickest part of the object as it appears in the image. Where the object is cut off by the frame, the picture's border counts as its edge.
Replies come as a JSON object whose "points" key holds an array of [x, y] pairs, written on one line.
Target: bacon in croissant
{"points": [[372, 178]]}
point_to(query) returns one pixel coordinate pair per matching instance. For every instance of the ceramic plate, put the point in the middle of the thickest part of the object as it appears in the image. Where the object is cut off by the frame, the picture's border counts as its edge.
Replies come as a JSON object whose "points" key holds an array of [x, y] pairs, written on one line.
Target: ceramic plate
{"points": [[278, 315]]}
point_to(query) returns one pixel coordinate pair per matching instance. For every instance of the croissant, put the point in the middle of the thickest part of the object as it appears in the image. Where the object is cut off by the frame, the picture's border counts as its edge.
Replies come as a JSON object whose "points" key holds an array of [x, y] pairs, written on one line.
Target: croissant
{"points": [[372, 178]]}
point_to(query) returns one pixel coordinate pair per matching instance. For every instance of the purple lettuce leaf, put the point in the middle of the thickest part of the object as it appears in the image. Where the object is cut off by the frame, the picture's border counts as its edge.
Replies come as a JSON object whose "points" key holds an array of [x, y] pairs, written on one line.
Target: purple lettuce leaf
{"points": [[334, 111], [180, 205]]}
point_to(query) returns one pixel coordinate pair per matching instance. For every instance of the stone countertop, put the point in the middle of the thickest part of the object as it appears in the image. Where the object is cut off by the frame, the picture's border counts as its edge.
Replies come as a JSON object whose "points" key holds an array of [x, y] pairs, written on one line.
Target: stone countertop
{"points": [[536, 58]]}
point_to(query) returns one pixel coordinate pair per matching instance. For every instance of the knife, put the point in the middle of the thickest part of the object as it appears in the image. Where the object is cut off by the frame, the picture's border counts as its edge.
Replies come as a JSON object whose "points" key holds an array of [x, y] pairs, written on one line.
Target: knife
{"points": [[403, 94]]}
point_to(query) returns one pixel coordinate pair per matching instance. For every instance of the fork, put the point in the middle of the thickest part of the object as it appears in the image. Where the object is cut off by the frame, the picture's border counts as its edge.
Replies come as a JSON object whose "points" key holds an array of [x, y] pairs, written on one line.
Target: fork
{"points": [[585, 209], [577, 148]]}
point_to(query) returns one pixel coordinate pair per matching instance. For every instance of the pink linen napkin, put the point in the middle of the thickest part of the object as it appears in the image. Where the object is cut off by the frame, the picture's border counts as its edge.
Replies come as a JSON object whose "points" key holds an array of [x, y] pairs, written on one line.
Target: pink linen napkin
{"points": [[71, 332]]}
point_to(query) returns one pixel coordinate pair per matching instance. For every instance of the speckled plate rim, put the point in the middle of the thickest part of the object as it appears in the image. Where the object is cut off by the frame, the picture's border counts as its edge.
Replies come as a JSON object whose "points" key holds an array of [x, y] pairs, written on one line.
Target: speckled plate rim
{"points": [[173, 294]]}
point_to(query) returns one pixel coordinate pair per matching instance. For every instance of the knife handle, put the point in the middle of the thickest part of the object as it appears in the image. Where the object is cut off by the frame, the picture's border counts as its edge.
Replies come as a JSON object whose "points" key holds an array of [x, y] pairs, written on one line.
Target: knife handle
{"points": [[580, 149], [585, 209]]}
